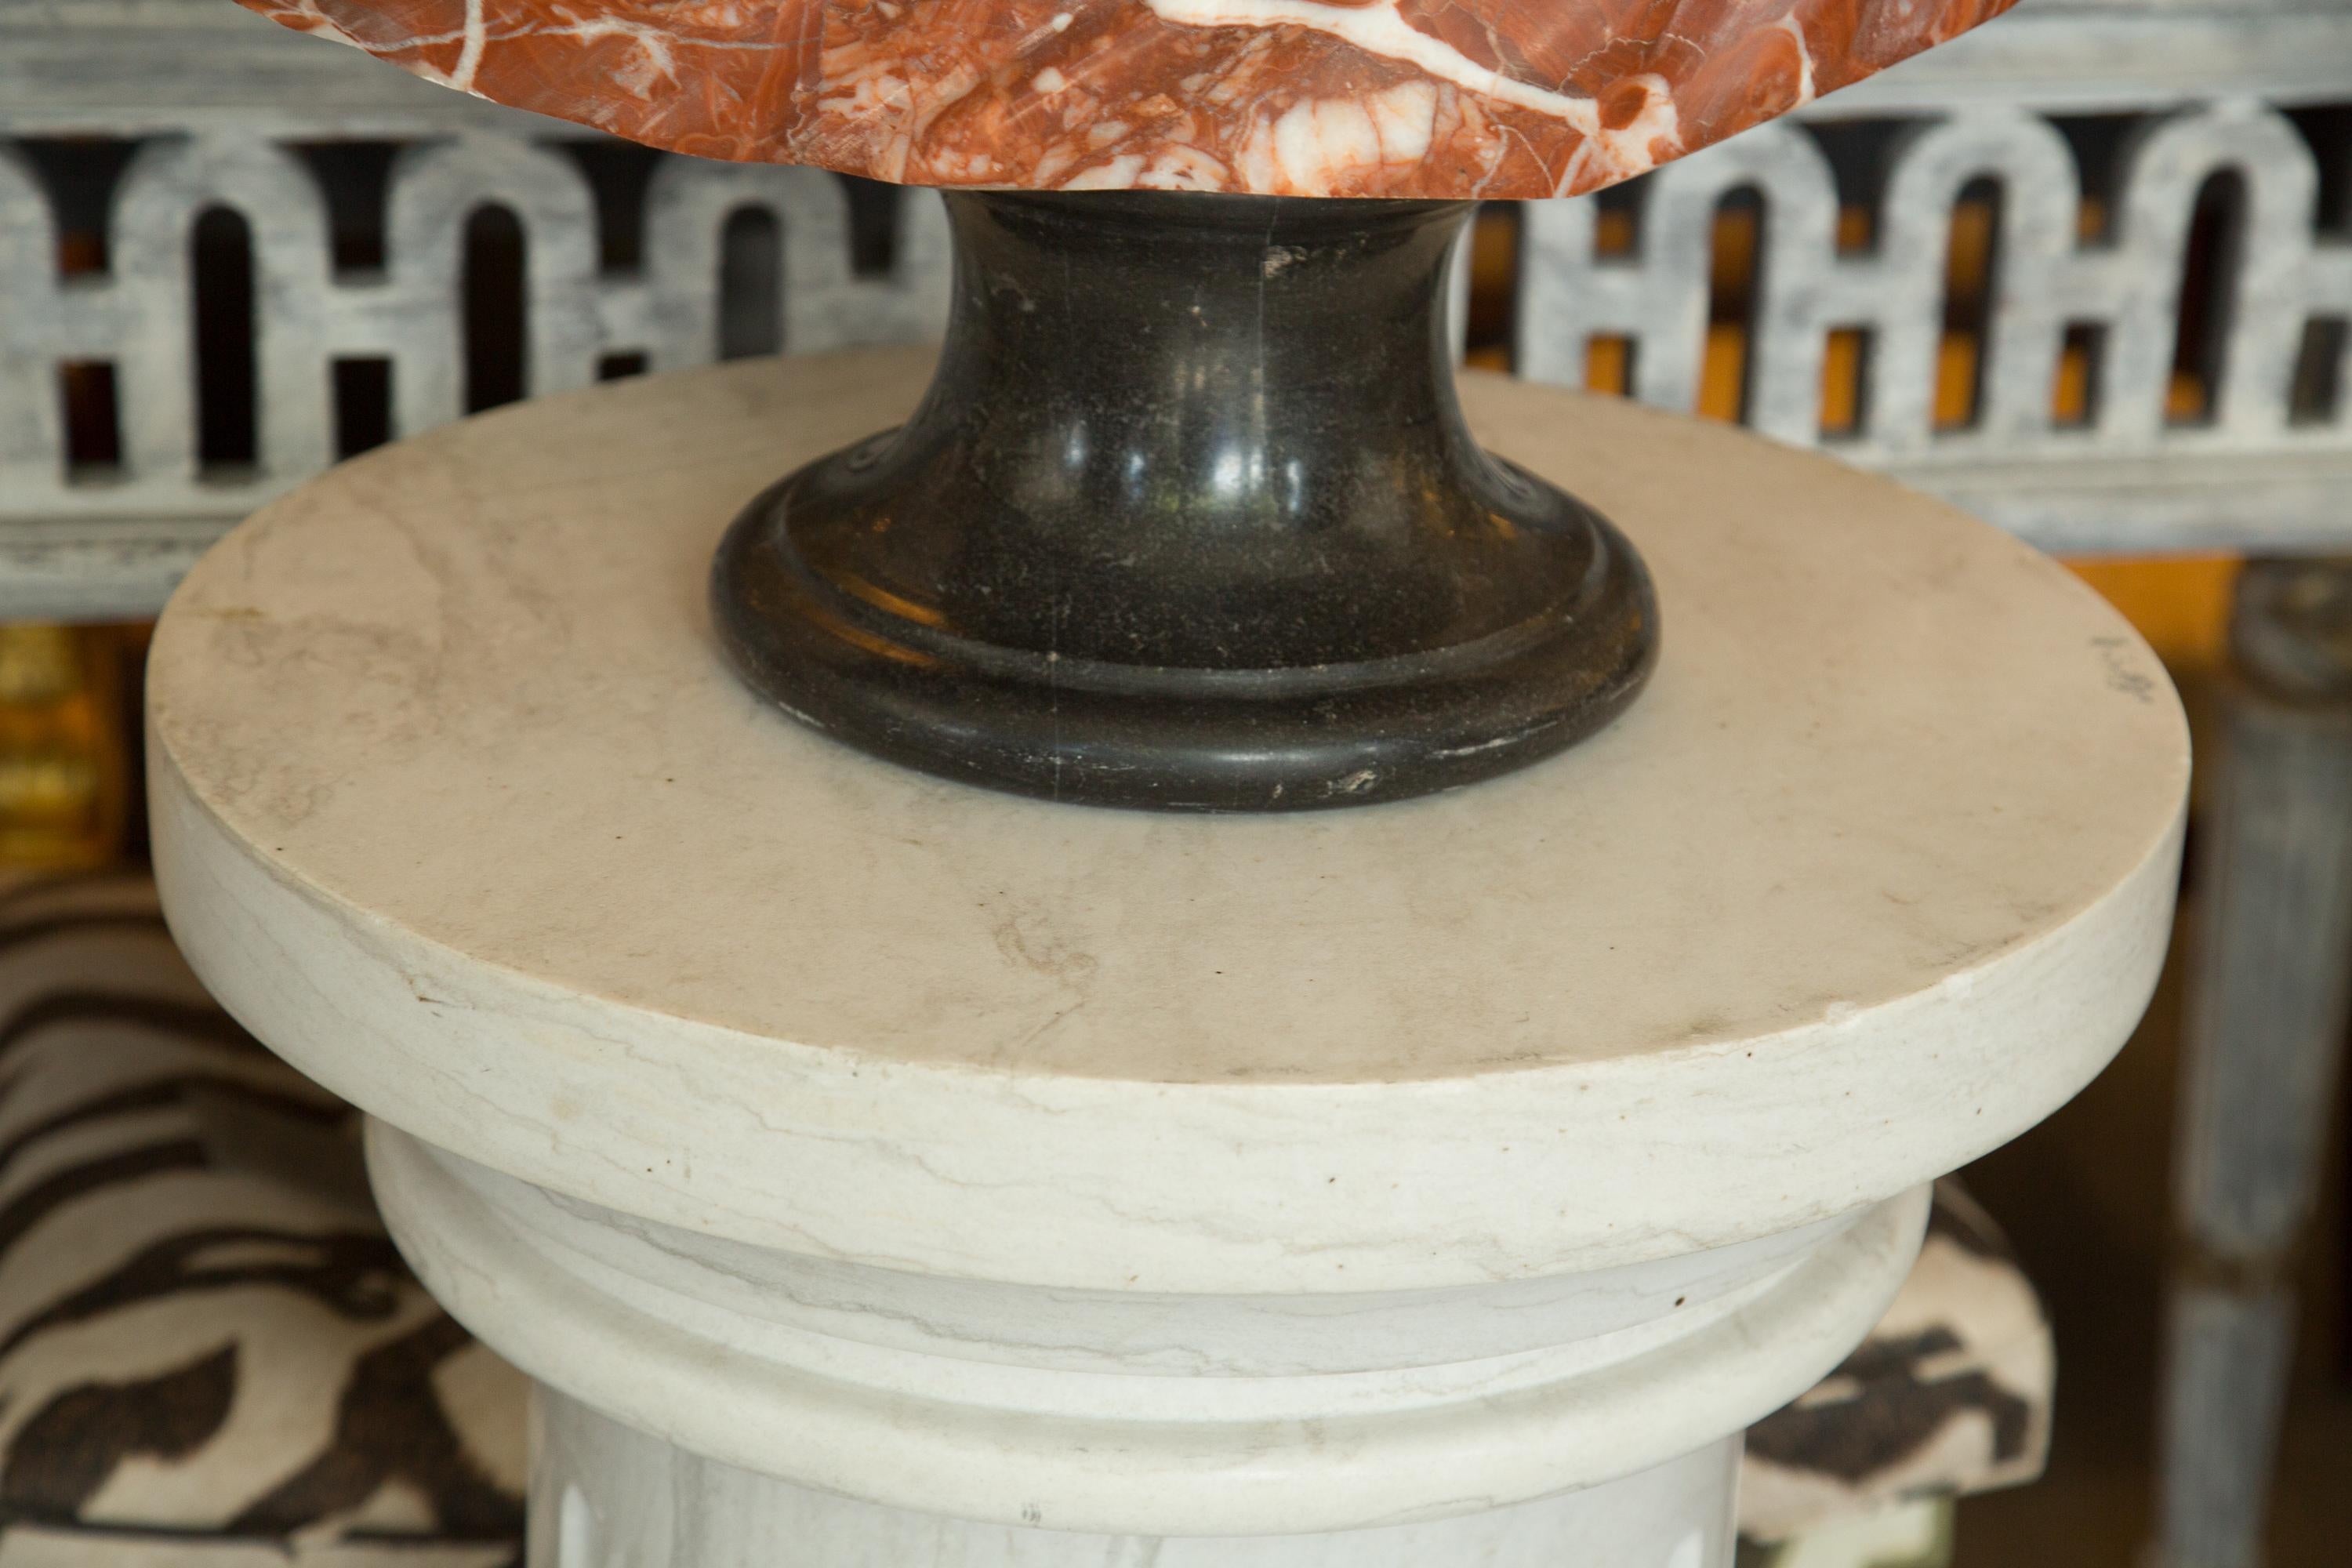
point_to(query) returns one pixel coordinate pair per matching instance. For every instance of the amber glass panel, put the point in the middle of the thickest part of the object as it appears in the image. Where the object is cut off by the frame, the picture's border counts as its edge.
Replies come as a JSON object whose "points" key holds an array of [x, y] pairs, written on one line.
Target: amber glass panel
{"points": [[66, 718]]}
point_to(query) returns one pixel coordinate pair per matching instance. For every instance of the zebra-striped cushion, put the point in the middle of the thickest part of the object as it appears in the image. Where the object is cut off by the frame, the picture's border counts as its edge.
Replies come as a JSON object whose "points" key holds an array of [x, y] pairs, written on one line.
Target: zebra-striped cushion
{"points": [[209, 1352], [1950, 1395]]}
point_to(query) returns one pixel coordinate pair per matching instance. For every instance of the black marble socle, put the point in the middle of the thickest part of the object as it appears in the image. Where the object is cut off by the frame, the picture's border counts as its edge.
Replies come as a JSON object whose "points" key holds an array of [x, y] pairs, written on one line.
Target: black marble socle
{"points": [[1190, 519]]}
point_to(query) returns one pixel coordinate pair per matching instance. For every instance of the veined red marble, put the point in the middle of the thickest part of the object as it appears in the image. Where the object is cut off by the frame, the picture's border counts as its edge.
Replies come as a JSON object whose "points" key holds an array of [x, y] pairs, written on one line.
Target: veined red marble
{"points": [[1373, 97]]}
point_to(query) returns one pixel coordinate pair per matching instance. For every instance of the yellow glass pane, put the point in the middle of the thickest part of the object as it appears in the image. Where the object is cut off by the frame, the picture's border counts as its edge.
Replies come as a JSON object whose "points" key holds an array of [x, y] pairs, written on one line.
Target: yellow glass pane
{"points": [[1723, 376], [1842, 368], [2180, 605], [1609, 366], [1956, 382], [65, 758]]}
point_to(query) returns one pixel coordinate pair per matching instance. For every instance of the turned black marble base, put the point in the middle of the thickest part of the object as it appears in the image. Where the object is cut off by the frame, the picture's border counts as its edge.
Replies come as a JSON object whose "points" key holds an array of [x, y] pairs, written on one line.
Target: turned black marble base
{"points": [[1190, 519]]}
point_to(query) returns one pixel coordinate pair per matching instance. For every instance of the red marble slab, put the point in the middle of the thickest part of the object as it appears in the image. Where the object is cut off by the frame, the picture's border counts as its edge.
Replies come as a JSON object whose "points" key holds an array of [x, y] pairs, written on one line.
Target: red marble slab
{"points": [[1386, 97]]}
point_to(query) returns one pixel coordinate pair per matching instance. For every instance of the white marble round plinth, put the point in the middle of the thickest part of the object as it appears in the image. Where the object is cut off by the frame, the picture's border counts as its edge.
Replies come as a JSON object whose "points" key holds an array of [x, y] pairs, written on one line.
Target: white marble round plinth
{"points": [[852, 1134]]}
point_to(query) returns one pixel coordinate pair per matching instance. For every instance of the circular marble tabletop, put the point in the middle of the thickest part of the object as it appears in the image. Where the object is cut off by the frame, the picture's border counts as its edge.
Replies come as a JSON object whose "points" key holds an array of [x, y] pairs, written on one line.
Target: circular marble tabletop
{"points": [[458, 808]]}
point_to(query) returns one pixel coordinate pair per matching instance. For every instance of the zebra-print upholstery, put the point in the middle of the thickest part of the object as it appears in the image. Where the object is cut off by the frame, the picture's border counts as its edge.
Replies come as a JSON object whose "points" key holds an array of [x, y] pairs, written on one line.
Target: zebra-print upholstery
{"points": [[209, 1352], [211, 1356], [1950, 1395]]}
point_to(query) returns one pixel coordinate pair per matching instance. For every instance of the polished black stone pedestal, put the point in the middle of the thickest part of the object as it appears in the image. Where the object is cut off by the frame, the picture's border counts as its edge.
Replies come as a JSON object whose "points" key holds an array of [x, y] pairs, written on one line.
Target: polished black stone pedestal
{"points": [[1190, 519]]}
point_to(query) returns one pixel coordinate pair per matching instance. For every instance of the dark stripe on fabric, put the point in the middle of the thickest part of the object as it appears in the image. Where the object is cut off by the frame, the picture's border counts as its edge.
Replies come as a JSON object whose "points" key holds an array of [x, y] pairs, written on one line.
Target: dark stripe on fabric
{"points": [[215, 1540], [88, 886], [195, 1023], [1886, 1426], [27, 933], [390, 1425], [1892, 1415], [175, 1090], [52, 1192], [1965, 1231], [73, 1445], [356, 1274]]}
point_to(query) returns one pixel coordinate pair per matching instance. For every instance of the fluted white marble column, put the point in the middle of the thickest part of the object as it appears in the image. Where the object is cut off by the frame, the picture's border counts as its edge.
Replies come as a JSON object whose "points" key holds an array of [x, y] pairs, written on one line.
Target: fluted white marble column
{"points": [[872, 1171], [606, 1494]]}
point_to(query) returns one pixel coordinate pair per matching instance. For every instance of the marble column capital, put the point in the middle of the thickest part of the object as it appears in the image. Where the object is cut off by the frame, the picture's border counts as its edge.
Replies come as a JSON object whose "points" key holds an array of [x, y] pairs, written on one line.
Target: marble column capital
{"points": [[897, 1139]]}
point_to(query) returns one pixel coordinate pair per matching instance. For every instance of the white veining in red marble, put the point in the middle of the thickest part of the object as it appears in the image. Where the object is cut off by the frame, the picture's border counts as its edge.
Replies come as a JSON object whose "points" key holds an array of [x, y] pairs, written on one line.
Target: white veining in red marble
{"points": [[1387, 98]]}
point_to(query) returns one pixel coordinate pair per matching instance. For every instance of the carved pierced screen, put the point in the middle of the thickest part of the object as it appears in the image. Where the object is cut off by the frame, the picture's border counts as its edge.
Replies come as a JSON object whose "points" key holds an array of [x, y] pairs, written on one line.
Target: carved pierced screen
{"points": [[2153, 351], [2153, 346], [189, 326]]}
